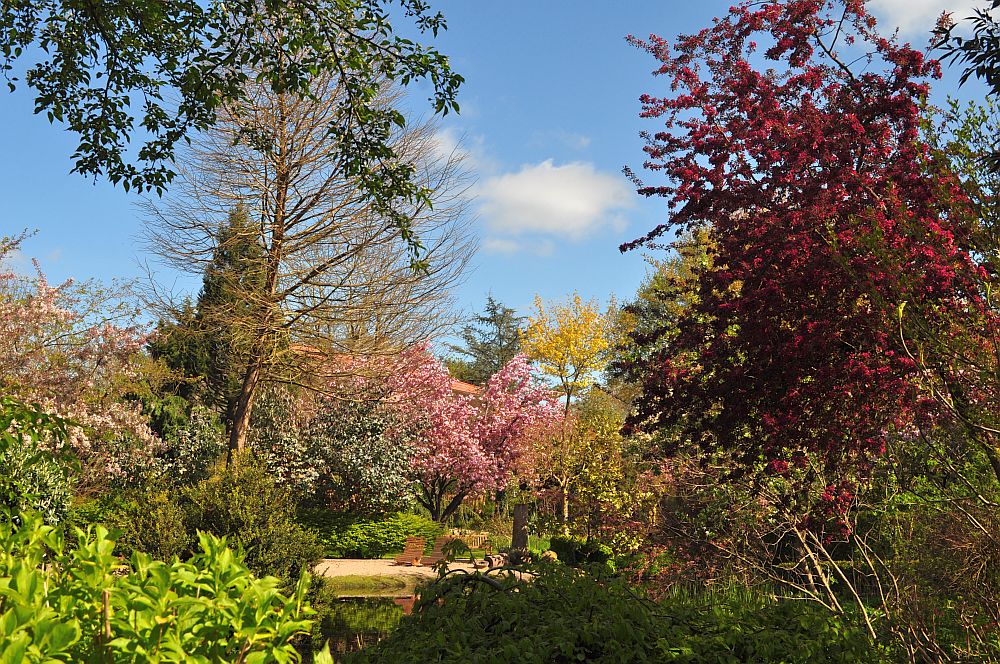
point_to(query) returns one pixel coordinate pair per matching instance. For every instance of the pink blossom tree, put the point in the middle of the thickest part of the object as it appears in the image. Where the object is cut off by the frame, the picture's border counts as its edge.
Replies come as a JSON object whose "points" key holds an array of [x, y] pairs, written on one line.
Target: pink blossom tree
{"points": [[73, 349], [465, 445]]}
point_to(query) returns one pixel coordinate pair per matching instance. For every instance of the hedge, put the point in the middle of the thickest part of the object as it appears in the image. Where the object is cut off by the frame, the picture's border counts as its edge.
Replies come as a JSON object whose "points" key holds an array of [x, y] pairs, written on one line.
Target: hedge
{"points": [[347, 536]]}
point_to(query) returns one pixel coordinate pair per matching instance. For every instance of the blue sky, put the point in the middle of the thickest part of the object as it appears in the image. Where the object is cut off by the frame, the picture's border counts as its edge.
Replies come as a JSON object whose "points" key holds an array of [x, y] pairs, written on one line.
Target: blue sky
{"points": [[549, 118]]}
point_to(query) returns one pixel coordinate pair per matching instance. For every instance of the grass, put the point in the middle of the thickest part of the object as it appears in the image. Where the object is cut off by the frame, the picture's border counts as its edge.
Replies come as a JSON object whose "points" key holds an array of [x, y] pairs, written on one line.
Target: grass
{"points": [[357, 585]]}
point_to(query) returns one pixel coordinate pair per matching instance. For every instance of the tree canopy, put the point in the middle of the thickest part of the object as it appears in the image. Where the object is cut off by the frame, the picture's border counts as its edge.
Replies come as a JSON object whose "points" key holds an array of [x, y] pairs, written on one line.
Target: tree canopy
{"points": [[112, 72], [489, 341]]}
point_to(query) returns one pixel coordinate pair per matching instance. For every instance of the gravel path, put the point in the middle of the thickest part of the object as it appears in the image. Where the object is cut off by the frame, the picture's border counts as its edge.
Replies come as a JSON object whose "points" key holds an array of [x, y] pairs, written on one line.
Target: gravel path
{"points": [[380, 567]]}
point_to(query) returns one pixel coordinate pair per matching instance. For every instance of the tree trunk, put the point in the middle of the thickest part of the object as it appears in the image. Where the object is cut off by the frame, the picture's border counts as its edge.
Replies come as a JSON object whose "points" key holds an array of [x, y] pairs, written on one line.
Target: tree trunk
{"points": [[564, 507], [244, 408], [452, 506], [519, 537]]}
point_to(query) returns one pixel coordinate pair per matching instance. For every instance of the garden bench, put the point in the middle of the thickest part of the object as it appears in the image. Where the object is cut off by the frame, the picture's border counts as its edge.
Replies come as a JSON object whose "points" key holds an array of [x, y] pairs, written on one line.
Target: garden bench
{"points": [[476, 540], [437, 554], [413, 551]]}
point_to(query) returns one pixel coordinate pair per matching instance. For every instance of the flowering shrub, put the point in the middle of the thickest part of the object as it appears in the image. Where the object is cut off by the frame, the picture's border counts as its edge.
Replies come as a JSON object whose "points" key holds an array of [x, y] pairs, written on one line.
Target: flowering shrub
{"points": [[72, 349], [824, 215], [278, 438], [366, 469], [343, 454], [193, 448]]}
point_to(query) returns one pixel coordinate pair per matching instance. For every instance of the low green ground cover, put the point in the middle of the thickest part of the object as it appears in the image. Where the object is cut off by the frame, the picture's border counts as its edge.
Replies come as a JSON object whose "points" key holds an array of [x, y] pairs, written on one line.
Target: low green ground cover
{"points": [[567, 615]]}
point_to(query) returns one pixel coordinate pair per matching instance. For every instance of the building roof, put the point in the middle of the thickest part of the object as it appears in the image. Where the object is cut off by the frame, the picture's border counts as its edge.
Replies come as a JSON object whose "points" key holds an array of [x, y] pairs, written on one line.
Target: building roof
{"points": [[461, 387]]}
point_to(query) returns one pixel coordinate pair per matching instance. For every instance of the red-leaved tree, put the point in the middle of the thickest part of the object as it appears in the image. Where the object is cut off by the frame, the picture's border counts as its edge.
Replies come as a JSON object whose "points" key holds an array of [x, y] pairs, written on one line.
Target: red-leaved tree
{"points": [[791, 131]]}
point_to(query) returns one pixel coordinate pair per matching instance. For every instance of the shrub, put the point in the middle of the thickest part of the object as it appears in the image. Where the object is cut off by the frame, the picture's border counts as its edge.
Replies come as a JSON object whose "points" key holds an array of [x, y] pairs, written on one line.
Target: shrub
{"points": [[576, 551], [193, 448], [243, 504], [210, 609], [151, 521], [31, 477], [565, 616], [277, 438], [257, 516], [367, 468], [562, 616], [34, 480], [740, 624], [344, 536], [332, 453]]}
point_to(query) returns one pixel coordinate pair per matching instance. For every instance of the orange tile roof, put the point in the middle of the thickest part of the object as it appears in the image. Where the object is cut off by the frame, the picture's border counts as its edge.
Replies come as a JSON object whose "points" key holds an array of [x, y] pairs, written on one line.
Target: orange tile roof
{"points": [[463, 388]]}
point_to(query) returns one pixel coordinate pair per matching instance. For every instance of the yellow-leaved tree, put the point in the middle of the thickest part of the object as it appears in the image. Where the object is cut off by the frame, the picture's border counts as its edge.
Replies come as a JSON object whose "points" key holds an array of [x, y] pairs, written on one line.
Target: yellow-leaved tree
{"points": [[571, 341]]}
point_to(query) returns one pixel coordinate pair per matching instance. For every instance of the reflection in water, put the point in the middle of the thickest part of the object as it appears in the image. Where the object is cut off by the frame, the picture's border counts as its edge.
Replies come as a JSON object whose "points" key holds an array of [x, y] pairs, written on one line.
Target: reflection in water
{"points": [[352, 623], [406, 603]]}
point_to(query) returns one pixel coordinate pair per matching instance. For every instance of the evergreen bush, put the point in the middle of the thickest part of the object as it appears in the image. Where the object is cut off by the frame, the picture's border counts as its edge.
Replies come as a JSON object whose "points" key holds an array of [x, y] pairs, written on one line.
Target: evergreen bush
{"points": [[347, 536]]}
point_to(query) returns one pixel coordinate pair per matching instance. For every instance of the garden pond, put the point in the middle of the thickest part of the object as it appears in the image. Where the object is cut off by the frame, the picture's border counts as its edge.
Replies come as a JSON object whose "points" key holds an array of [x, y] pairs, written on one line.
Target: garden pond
{"points": [[353, 623]]}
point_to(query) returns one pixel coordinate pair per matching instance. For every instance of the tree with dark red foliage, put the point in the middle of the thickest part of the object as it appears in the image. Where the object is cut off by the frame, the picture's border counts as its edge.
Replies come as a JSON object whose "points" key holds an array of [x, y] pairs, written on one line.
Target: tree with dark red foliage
{"points": [[827, 213]]}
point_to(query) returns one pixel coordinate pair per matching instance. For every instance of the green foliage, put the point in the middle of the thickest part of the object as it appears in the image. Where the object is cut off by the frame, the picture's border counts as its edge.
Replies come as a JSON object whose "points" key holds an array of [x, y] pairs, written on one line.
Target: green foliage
{"points": [[30, 477], [230, 292], [149, 520], [279, 441], [193, 449], [561, 616], [567, 616], [257, 515], [345, 536], [243, 504], [576, 551], [946, 560], [668, 291], [181, 346], [168, 68], [209, 609], [738, 624], [167, 414], [345, 457], [366, 468], [491, 340], [978, 54], [612, 500]]}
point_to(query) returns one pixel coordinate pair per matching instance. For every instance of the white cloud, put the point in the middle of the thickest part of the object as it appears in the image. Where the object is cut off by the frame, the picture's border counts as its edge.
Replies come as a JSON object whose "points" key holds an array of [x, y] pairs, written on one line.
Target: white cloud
{"points": [[446, 142], [917, 17], [449, 141], [498, 245], [574, 200]]}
